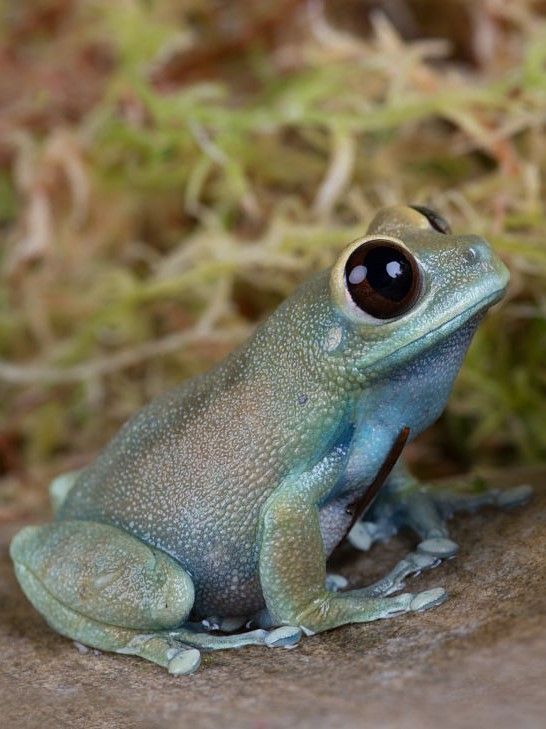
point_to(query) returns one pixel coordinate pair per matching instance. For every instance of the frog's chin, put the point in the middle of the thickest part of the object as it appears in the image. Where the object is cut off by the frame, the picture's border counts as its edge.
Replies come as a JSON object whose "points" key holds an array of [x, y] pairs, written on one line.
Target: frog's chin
{"points": [[443, 330]]}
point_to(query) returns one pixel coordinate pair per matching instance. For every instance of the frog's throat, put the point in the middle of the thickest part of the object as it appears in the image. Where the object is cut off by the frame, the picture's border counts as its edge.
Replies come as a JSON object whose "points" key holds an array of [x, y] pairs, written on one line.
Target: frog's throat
{"points": [[443, 330]]}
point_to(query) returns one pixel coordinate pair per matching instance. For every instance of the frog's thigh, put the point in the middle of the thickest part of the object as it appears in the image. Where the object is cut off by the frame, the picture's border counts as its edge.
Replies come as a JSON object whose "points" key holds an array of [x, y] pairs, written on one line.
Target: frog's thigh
{"points": [[101, 586]]}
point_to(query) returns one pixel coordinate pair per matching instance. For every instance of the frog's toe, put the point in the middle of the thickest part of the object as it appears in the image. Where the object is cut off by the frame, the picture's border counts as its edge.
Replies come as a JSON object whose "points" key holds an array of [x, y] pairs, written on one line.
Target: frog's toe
{"points": [[413, 564], [364, 534], [428, 599], [335, 583], [183, 661], [212, 642], [287, 636], [439, 547], [225, 625], [449, 502]]}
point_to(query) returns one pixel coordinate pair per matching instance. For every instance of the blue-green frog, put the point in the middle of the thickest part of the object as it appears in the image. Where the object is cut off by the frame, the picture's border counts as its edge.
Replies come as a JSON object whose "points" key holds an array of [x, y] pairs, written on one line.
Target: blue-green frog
{"points": [[207, 521]]}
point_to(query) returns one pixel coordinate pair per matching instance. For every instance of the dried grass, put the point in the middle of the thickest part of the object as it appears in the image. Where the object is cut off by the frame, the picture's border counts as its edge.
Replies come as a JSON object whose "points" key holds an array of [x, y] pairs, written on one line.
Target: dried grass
{"points": [[170, 171]]}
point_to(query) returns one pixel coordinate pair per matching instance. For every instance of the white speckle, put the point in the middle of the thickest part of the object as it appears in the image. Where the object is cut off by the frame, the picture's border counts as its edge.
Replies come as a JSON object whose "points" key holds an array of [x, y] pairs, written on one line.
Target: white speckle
{"points": [[333, 339]]}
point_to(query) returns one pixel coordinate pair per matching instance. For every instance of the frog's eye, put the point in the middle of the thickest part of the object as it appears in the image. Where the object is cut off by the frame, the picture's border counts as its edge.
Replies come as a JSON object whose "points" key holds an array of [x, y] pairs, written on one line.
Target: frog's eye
{"points": [[435, 220], [382, 278]]}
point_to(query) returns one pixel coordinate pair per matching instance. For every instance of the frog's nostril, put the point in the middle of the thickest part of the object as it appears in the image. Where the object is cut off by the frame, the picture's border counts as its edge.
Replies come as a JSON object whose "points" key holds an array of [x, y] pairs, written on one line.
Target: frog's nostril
{"points": [[471, 255]]}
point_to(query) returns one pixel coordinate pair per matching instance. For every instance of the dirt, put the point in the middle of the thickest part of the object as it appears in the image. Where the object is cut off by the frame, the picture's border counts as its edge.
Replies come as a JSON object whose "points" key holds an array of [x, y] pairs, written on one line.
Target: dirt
{"points": [[476, 661]]}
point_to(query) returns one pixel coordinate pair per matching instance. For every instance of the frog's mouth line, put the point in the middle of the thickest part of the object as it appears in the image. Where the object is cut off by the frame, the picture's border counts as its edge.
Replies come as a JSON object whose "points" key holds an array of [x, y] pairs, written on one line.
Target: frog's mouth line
{"points": [[447, 327]]}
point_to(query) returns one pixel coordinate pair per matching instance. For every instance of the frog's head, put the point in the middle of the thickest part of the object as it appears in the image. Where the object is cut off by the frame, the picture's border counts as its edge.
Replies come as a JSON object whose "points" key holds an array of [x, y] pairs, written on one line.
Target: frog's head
{"points": [[409, 283]]}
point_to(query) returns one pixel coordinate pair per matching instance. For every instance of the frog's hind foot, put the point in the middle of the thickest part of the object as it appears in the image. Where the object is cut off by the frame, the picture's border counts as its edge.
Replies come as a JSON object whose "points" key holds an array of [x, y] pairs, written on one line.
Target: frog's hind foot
{"points": [[104, 588], [278, 637], [179, 659], [426, 511]]}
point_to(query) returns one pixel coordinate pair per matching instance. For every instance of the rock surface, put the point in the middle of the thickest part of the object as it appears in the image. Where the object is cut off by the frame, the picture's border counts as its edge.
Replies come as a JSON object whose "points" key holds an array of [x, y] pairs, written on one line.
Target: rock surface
{"points": [[477, 661]]}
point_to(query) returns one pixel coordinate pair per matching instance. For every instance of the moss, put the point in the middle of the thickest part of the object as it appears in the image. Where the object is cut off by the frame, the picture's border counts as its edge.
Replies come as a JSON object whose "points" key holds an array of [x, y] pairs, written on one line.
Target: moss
{"points": [[187, 172]]}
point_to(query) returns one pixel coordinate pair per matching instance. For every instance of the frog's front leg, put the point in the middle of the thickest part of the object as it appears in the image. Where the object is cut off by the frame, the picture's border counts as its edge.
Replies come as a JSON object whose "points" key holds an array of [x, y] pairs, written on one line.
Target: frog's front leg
{"points": [[406, 502], [292, 566]]}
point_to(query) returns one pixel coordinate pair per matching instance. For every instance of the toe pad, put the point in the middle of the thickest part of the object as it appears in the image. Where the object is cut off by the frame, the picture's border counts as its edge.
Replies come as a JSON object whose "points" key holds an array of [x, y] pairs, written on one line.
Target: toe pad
{"points": [[184, 662], [439, 547], [428, 599], [284, 637]]}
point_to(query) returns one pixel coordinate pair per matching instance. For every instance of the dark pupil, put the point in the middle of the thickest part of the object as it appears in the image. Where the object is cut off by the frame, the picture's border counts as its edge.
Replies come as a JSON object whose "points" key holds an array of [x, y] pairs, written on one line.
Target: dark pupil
{"points": [[388, 273], [380, 280]]}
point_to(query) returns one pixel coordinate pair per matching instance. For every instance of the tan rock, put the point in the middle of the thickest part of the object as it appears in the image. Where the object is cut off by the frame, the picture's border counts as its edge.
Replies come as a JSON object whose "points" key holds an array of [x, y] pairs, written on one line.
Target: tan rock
{"points": [[477, 661]]}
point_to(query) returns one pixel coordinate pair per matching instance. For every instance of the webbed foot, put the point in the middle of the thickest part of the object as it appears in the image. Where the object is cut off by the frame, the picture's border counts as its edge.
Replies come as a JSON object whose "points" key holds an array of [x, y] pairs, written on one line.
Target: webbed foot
{"points": [[426, 511], [262, 632]]}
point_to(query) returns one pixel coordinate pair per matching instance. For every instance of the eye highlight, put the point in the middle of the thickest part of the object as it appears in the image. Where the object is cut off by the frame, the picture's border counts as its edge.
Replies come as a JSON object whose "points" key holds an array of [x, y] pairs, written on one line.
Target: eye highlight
{"points": [[383, 279], [437, 221]]}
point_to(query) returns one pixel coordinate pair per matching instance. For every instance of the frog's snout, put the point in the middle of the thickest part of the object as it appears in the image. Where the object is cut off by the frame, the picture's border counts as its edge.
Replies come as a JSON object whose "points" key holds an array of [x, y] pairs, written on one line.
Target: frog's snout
{"points": [[484, 267], [475, 250]]}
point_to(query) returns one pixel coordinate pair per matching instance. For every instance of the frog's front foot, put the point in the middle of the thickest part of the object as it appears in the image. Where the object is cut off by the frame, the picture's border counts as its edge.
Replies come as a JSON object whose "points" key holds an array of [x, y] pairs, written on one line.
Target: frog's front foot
{"points": [[263, 618], [426, 511]]}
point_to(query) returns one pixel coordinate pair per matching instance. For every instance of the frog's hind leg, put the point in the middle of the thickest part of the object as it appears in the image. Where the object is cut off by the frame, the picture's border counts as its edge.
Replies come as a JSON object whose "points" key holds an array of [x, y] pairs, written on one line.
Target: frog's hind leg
{"points": [[405, 502], [98, 585]]}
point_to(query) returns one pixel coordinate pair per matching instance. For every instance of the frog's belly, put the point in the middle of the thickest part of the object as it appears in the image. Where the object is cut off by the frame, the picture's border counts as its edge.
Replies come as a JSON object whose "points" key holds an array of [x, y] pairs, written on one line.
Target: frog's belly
{"points": [[226, 576], [335, 521]]}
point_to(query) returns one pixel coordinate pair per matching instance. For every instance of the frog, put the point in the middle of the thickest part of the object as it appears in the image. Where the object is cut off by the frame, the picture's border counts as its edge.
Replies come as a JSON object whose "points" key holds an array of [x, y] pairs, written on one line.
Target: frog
{"points": [[207, 521]]}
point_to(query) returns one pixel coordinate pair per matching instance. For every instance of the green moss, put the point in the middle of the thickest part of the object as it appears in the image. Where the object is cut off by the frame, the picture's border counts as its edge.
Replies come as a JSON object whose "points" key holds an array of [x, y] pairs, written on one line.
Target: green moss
{"points": [[146, 233]]}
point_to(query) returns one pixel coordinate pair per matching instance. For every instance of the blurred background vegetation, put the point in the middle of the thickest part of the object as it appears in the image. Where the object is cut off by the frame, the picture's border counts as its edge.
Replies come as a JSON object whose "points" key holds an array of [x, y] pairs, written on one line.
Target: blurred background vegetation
{"points": [[171, 169]]}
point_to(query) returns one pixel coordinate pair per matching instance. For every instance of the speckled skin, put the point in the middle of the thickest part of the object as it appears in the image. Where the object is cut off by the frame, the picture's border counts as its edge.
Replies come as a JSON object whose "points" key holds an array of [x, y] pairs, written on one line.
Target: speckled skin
{"points": [[243, 475]]}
